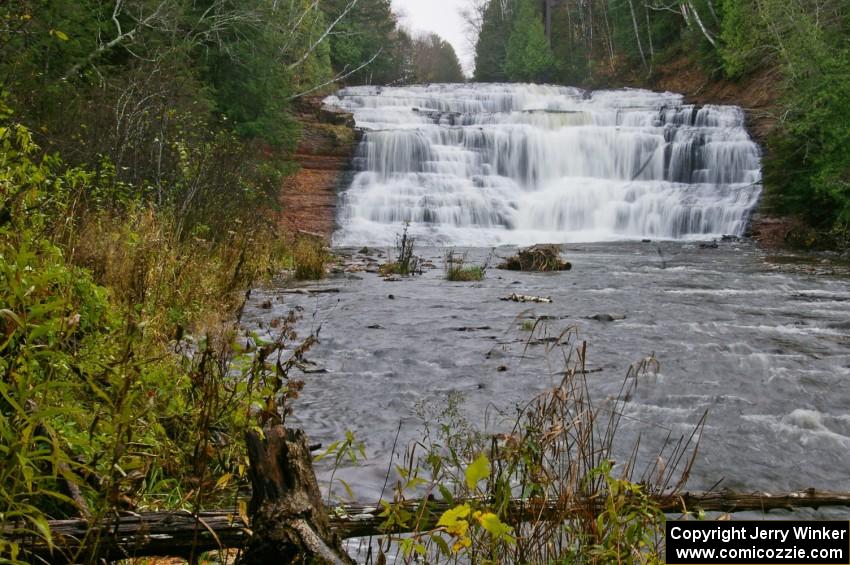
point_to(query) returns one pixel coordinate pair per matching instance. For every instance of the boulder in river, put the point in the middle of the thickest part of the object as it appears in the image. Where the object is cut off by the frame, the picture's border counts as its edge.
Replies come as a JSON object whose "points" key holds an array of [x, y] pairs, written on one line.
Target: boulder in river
{"points": [[540, 258], [607, 317]]}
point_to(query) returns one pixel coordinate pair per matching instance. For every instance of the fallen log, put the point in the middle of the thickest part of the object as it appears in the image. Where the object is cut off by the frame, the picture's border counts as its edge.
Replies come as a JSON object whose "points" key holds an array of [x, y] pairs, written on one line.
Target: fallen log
{"points": [[310, 291], [526, 298], [183, 534]]}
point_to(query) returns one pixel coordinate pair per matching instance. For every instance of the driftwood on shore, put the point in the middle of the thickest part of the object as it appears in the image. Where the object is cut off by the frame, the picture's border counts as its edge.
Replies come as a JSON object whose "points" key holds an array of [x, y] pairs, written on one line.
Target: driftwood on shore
{"points": [[183, 534]]}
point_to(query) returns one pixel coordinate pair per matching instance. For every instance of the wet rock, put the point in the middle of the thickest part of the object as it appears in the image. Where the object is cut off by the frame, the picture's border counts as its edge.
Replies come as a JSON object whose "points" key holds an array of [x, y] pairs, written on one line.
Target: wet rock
{"points": [[364, 251], [712, 245], [310, 368], [646, 241], [607, 317], [502, 368], [470, 328], [266, 304], [391, 297], [375, 327]]}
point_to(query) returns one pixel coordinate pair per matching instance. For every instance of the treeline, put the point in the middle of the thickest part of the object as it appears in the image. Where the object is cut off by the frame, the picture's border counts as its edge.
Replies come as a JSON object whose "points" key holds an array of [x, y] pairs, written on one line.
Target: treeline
{"points": [[130, 80], [802, 44], [142, 147]]}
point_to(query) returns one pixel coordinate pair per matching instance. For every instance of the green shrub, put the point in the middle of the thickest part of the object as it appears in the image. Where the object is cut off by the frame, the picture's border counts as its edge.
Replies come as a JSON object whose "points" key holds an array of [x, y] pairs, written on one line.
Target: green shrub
{"points": [[458, 271], [465, 274]]}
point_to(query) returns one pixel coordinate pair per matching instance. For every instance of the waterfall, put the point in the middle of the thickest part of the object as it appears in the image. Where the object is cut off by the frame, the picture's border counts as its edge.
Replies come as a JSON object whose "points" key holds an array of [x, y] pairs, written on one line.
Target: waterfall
{"points": [[491, 164]]}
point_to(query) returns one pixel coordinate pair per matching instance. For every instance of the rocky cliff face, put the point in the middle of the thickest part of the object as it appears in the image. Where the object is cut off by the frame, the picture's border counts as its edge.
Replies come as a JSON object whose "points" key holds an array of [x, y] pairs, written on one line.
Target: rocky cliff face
{"points": [[328, 142]]}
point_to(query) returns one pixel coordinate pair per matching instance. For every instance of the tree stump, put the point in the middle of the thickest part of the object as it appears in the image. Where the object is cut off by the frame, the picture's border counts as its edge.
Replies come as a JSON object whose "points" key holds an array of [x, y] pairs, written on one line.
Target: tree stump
{"points": [[288, 520]]}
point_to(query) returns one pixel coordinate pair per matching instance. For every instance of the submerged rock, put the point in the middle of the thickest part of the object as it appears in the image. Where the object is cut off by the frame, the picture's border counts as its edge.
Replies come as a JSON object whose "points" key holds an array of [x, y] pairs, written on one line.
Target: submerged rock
{"points": [[607, 317]]}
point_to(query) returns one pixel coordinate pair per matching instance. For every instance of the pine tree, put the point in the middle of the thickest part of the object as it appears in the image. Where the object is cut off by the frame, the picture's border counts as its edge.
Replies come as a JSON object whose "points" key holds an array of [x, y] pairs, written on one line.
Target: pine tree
{"points": [[490, 50], [529, 57]]}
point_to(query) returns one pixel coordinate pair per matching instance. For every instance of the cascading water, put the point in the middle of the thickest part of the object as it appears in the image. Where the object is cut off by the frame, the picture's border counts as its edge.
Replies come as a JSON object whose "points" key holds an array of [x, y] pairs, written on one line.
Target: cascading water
{"points": [[490, 164]]}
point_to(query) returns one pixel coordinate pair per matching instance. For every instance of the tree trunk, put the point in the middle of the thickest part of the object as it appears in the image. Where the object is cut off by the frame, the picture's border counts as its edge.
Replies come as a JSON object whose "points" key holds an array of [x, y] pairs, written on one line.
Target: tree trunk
{"points": [[637, 34], [288, 519]]}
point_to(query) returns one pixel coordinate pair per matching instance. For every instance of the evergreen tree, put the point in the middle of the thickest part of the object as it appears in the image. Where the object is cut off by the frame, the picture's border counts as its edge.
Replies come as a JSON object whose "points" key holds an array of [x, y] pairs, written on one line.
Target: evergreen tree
{"points": [[529, 57], [369, 30], [490, 50]]}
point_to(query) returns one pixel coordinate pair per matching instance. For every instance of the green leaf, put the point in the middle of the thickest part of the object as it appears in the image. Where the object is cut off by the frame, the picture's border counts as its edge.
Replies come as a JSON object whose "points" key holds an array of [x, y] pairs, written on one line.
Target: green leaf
{"points": [[441, 543], [446, 494], [477, 471]]}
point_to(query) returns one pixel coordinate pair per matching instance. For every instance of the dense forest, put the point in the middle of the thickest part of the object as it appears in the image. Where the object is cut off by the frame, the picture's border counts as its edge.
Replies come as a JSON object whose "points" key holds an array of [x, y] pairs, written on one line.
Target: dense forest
{"points": [[801, 47]]}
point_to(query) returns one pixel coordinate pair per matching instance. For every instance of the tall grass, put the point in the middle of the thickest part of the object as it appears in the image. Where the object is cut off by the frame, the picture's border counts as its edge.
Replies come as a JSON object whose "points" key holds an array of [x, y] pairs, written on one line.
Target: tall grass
{"points": [[309, 257], [457, 269]]}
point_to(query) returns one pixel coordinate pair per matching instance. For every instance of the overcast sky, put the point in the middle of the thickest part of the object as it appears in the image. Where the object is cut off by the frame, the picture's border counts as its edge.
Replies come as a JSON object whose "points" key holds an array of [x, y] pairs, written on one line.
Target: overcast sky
{"points": [[441, 17]]}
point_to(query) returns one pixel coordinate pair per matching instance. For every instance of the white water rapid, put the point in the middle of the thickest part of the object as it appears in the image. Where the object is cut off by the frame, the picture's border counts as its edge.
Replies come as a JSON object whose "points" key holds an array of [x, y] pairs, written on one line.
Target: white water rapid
{"points": [[492, 164]]}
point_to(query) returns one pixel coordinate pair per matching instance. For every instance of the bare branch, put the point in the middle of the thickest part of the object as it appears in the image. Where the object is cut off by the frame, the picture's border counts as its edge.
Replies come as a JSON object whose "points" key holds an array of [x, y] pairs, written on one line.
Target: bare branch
{"points": [[322, 37], [340, 76]]}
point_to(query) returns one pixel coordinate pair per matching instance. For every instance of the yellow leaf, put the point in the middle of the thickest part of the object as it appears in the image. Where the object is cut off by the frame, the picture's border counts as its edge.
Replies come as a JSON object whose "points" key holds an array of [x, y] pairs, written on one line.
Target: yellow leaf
{"points": [[451, 516], [492, 524], [59, 34], [243, 512], [223, 480], [461, 543], [477, 471]]}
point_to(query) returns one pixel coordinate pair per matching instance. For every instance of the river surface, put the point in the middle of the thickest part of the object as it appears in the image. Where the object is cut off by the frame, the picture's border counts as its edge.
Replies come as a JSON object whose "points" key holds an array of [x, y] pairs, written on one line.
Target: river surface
{"points": [[631, 182], [765, 351]]}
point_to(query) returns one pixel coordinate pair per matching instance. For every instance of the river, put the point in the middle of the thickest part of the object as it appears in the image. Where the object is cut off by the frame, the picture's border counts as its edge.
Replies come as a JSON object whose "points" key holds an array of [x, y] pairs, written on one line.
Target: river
{"points": [[637, 186]]}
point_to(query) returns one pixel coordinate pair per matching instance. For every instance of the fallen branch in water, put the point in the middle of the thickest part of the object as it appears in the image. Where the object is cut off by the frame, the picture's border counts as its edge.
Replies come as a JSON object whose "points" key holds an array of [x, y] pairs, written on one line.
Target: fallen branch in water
{"points": [[525, 298], [182, 533]]}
